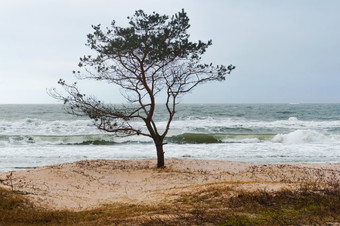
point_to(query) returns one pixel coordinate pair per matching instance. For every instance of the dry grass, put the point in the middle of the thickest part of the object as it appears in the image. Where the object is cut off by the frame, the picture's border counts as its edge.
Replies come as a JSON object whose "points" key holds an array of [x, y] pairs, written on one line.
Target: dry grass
{"points": [[285, 207], [215, 203]]}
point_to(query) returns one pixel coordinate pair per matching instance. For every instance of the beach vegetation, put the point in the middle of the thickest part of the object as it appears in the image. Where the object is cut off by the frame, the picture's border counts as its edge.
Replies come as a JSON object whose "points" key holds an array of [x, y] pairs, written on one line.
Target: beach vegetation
{"points": [[213, 204], [152, 61]]}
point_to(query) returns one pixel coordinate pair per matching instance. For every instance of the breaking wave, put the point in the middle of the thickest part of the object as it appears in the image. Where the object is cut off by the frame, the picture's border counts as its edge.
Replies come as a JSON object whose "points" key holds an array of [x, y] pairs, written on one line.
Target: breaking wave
{"points": [[295, 137], [199, 138], [305, 136], [58, 140]]}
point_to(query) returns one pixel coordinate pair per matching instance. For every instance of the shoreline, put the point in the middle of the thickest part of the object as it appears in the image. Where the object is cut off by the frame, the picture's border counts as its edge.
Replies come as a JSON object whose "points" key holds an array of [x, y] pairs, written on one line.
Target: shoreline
{"points": [[88, 184], [307, 163]]}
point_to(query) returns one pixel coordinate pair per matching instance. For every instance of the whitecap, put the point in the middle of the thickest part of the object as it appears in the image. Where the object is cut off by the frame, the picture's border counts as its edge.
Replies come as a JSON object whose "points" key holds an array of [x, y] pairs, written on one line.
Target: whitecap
{"points": [[302, 136]]}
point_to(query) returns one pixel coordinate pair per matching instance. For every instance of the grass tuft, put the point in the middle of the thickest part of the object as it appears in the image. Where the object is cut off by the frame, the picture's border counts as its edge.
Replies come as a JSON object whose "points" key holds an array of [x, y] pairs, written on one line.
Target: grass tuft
{"points": [[216, 204]]}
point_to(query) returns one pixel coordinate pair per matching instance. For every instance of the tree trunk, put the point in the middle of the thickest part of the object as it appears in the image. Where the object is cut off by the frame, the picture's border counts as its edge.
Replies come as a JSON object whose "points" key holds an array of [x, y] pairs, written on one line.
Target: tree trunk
{"points": [[160, 155]]}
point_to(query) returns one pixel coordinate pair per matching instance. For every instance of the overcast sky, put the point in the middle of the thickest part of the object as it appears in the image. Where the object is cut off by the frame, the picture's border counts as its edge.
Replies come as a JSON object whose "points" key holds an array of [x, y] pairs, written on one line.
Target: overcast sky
{"points": [[285, 51]]}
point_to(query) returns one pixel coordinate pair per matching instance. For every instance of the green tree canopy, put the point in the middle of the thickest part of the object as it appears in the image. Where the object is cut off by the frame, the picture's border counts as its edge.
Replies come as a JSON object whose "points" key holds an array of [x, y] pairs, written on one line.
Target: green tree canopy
{"points": [[151, 55]]}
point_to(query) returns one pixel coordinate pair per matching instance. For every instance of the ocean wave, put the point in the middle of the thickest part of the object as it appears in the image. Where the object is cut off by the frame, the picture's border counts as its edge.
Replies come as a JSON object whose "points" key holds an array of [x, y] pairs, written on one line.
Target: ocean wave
{"points": [[199, 138], [29, 126], [57, 140], [295, 137], [110, 139], [244, 126], [305, 136], [208, 125]]}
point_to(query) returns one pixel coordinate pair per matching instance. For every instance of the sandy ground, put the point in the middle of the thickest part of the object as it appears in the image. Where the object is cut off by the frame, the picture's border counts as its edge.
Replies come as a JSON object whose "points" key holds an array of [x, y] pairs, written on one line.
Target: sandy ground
{"points": [[88, 184]]}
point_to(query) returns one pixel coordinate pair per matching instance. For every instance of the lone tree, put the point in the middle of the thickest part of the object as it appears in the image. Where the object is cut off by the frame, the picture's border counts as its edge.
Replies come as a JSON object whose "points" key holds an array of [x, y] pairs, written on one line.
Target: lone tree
{"points": [[152, 55]]}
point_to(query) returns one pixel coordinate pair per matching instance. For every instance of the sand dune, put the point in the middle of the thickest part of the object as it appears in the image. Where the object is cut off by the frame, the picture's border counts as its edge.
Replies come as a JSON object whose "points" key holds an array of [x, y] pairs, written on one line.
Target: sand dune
{"points": [[88, 184]]}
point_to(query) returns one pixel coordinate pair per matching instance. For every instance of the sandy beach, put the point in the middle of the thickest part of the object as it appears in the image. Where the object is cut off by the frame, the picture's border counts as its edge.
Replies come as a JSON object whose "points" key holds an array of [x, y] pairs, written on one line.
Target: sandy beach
{"points": [[89, 184]]}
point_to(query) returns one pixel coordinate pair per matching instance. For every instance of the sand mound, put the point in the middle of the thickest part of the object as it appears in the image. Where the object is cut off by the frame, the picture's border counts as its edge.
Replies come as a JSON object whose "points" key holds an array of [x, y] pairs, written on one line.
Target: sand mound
{"points": [[88, 184]]}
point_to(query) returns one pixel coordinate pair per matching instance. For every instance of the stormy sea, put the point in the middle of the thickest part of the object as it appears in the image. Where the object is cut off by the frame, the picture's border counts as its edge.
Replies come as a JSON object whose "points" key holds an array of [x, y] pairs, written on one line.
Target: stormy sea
{"points": [[38, 135]]}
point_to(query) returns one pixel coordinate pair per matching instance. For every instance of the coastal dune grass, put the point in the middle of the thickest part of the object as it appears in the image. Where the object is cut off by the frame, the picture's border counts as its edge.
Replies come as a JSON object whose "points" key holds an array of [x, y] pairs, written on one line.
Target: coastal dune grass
{"points": [[218, 204]]}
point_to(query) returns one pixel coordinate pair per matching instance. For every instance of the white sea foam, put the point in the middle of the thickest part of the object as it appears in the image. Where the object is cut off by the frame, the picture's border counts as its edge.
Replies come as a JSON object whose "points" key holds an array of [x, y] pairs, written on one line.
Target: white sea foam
{"points": [[31, 156], [41, 127], [210, 124], [305, 136], [32, 126], [246, 134], [292, 130], [239, 140]]}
